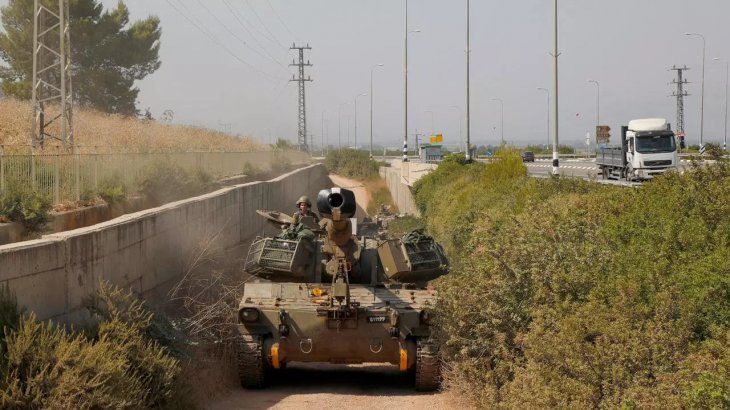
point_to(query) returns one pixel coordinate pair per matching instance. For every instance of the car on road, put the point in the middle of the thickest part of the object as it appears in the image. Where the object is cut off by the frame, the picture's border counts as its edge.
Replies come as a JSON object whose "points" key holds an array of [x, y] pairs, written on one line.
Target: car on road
{"points": [[528, 156]]}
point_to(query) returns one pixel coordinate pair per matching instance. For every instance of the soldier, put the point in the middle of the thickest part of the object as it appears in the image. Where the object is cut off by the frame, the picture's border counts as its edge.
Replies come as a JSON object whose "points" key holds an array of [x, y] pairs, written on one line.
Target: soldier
{"points": [[304, 208]]}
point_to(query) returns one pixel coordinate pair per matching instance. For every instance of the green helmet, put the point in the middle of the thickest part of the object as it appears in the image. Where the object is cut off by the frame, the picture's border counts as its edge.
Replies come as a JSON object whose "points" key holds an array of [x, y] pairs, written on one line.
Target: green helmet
{"points": [[304, 199]]}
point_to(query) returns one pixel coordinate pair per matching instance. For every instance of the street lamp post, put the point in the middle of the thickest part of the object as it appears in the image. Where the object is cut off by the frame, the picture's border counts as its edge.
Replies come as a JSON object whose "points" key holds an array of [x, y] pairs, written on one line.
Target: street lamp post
{"points": [[468, 82], [461, 114], [371, 107], [556, 159], [727, 78], [322, 136], [501, 114], [339, 126], [547, 91], [702, 97], [355, 99], [598, 104], [405, 94]]}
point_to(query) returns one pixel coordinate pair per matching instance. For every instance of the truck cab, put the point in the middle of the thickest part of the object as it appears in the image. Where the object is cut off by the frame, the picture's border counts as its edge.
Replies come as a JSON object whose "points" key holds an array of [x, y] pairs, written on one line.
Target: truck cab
{"points": [[648, 148]]}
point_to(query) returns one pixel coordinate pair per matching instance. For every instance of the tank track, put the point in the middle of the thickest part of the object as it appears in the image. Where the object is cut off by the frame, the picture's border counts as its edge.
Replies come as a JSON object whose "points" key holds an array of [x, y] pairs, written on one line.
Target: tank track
{"points": [[251, 364], [428, 369]]}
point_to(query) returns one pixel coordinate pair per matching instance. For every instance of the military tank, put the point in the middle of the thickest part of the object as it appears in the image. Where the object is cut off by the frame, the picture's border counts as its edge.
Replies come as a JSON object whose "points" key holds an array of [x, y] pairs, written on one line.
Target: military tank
{"points": [[328, 295]]}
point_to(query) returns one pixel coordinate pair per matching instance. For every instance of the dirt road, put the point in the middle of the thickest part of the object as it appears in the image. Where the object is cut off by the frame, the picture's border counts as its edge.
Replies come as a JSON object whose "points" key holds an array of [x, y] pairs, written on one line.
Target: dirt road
{"points": [[362, 196], [337, 387]]}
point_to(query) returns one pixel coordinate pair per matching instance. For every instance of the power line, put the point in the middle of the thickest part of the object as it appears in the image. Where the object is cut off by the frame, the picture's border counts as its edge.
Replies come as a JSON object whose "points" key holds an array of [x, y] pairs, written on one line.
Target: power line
{"points": [[243, 25], [246, 23], [212, 38], [253, 10], [280, 19], [236, 36]]}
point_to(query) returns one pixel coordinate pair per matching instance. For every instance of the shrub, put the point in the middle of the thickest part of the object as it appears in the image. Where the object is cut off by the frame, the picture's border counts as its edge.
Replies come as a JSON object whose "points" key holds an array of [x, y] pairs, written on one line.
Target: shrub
{"points": [[165, 182], [351, 163], [117, 366], [570, 294], [28, 207], [112, 189]]}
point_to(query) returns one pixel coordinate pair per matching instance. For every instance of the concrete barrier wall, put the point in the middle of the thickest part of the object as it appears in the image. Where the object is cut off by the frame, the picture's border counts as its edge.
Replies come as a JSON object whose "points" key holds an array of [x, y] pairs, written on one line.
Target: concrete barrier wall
{"points": [[54, 275], [399, 190]]}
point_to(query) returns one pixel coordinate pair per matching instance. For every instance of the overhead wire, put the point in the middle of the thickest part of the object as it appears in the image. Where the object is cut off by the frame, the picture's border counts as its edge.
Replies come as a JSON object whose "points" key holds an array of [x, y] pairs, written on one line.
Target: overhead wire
{"points": [[215, 40], [280, 19], [232, 33], [253, 10], [243, 25]]}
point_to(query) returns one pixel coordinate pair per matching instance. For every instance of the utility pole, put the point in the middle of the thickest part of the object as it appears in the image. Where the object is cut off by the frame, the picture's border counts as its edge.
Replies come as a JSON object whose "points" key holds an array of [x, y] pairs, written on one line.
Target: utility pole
{"points": [[548, 115], [322, 135], [303, 145], [680, 93], [371, 107], [356, 97], [727, 79], [702, 95], [556, 160], [405, 72], [468, 81], [51, 73]]}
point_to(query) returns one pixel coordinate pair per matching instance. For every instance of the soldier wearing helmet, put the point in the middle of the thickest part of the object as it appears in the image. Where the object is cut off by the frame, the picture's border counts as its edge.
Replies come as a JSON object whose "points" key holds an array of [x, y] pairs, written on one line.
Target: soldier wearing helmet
{"points": [[304, 208]]}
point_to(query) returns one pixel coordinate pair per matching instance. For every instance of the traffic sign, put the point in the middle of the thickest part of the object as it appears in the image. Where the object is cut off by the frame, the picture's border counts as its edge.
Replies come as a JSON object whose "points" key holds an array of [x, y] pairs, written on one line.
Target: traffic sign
{"points": [[603, 134]]}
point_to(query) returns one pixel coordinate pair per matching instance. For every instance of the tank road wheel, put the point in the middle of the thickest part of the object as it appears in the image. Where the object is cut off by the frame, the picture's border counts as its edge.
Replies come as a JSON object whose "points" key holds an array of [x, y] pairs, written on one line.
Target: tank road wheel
{"points": [[428, 367], [251, 362]]}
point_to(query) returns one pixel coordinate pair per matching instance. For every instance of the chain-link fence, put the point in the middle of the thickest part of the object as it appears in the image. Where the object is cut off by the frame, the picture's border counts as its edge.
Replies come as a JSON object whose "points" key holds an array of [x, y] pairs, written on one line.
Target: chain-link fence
{"points": [[65, 176]]}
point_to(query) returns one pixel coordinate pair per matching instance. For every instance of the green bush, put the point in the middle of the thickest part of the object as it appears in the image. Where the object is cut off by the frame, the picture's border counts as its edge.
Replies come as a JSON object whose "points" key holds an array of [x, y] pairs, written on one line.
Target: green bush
{"points": [[112, 189], [351, 163], [571, 294], [165, 182], [117, 366], [29, 208]]}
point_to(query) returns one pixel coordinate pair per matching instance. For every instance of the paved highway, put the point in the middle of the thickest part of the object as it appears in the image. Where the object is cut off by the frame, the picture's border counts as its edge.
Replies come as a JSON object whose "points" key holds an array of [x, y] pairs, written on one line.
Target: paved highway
{"points": [[579, 168]]}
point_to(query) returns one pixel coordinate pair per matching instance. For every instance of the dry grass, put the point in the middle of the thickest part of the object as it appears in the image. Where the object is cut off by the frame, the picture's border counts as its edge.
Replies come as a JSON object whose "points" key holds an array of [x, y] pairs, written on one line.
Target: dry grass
{"points": [[116, 133]]}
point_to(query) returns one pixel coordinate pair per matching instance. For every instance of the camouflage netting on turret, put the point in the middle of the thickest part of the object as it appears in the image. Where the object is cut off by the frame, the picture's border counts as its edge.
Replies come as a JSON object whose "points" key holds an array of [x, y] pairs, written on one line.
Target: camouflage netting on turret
{"points": [[423, 251]]}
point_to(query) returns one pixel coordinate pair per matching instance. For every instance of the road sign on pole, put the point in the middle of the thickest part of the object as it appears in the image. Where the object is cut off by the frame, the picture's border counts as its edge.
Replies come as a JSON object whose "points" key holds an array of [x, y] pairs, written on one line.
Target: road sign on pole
{"points": [[603, 134]]}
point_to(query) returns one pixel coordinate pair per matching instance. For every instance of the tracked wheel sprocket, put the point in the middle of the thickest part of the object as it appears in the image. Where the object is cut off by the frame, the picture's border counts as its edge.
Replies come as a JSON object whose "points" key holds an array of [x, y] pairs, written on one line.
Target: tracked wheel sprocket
{"points": [[428, 366], [252, 367]]}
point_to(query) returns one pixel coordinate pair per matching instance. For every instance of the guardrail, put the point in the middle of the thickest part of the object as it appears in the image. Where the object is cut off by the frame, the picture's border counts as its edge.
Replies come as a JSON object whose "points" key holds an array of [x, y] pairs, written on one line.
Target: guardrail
{"points": [[65, 176]]}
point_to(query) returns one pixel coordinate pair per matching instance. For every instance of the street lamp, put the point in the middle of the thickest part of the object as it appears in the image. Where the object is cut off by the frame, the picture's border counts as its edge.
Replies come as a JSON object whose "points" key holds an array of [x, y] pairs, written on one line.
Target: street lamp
{"points": [[339, 126], [501, 104], [405, 94], [468, 83], [461, 114], [322, 136], [556, 159], [355, 99], [598, 104], [727, 77], [702, 98], [547, 91], [371, 107]]}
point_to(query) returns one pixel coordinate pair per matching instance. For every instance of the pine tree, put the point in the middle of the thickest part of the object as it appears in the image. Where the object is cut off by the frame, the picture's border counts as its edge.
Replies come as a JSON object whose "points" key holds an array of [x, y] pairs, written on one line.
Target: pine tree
{"points": [[108, 53]]}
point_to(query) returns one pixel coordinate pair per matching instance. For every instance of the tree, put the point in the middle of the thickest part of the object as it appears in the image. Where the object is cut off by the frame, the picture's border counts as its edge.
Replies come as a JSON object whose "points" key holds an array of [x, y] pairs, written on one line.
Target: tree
{"points": [[108, 54]]}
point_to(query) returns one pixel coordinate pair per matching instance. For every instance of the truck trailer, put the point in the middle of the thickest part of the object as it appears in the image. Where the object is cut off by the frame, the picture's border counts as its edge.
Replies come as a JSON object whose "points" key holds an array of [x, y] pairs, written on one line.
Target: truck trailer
{"points": [[648, 148]]}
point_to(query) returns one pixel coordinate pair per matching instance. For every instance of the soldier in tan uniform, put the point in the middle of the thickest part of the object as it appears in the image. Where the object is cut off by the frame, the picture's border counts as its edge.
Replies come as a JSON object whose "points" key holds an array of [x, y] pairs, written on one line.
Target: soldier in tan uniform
{"points": [[304, 208]]}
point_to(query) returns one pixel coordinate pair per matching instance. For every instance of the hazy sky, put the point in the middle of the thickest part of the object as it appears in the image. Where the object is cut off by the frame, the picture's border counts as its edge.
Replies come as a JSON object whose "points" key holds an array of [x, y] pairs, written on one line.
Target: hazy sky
{"points": [[627, 45]]}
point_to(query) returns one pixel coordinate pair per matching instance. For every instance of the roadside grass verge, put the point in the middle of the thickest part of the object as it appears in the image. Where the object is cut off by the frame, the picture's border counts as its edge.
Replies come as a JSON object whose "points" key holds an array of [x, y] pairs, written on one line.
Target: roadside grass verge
{"points": [[357, 165], [569, 294]]}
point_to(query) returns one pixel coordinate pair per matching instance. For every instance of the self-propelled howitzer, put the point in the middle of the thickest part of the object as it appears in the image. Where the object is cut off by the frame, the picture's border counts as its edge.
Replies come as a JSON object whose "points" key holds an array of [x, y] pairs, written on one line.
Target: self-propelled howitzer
{"points": [[349, 302]]}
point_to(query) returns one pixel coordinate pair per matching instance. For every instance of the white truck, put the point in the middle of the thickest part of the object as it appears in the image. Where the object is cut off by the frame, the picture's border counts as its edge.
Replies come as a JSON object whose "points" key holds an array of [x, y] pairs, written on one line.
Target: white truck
{"points": [[648, 148]]}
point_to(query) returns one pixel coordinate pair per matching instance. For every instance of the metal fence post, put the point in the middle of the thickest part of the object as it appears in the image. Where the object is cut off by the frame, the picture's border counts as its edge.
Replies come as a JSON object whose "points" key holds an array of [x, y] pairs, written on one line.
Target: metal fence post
{"points": [[32, 168], [77, 172], [56, 179], [2, 170], [96, 168]]}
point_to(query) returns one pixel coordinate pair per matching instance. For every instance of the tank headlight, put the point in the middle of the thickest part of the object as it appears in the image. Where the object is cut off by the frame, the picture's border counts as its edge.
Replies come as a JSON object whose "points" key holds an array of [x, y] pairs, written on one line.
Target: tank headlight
{"points": [[248, 315]]}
